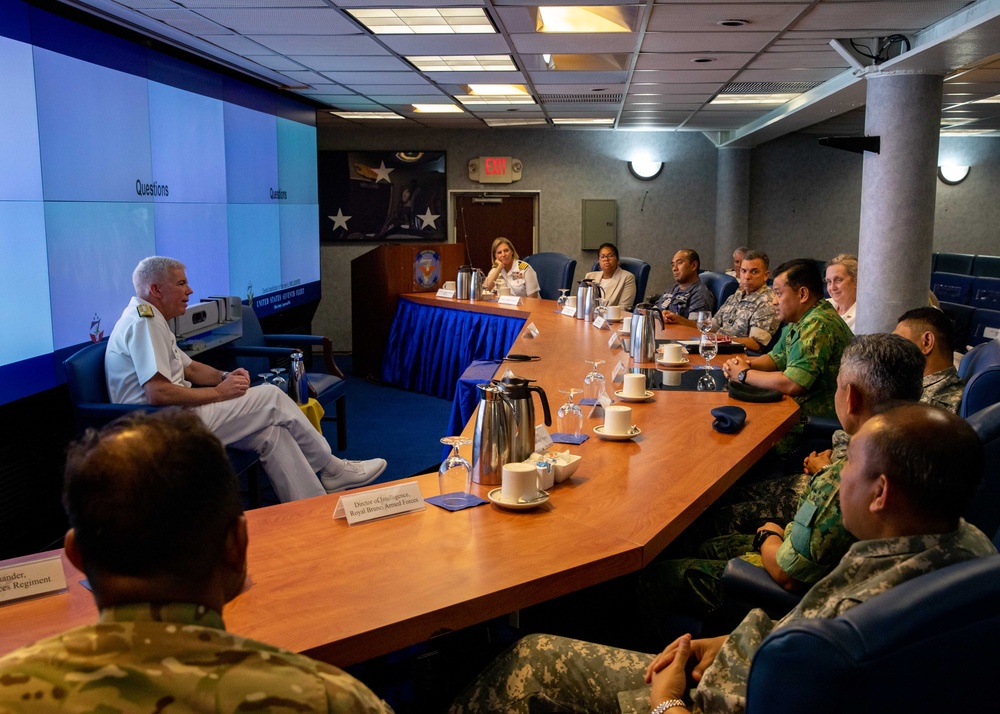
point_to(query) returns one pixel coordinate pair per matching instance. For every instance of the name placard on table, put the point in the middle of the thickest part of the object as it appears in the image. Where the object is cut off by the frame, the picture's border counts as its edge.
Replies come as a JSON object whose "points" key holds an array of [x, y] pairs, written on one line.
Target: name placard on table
{"points": [[442, 293], [33, 577], [380, 503], [508, 300]]}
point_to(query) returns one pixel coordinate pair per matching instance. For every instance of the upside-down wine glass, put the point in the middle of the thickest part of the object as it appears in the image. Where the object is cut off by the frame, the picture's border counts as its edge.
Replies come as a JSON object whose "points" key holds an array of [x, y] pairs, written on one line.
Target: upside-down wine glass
{"points": [[704, 320], [452, 468], [570, 415], [593, 383]]}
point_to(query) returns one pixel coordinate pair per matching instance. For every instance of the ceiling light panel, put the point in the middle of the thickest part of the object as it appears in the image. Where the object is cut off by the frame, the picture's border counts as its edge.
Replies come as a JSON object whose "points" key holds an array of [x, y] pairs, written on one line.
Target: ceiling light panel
{"points": [[462, 63], [583, 121], [425, 21], [407, 45], [586, 20], [368, 115], [437, 108], [505, 122]]}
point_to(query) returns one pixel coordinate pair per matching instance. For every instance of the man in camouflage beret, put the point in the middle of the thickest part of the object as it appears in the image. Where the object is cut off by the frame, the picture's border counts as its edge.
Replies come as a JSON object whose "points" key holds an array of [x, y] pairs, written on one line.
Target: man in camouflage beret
{"points": [[157, 526], [910, 473]]}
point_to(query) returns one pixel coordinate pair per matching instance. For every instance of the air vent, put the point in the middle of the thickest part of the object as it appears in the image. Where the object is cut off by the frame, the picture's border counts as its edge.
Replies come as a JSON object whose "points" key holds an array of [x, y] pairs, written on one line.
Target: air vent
{"points": [[580, 98], [769, 87]]}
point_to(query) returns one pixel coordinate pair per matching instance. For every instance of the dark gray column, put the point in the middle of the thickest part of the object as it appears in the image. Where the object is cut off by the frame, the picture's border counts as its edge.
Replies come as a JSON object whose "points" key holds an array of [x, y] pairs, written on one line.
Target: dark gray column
{"points": [[732, 205], [897, 197]]}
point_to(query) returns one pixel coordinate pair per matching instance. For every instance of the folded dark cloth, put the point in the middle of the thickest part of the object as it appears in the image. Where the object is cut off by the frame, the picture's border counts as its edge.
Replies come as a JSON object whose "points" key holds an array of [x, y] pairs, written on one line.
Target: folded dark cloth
{"points": [[728, 420], [750, 393]]}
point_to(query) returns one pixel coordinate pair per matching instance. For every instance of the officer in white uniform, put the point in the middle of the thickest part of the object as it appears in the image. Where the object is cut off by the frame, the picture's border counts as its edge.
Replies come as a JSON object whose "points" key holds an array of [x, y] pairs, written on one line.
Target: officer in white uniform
{"points": [[143, 365], [519, 276]]}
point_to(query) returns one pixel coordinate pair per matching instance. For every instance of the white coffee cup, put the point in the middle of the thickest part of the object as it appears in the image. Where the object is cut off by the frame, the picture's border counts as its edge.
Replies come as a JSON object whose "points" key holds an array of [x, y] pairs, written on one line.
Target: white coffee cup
{"points": [[627, 323], [503, 290], [672, 353], [614, 312], [617, 420], [634, 386], [519, 482], [571, 301]]}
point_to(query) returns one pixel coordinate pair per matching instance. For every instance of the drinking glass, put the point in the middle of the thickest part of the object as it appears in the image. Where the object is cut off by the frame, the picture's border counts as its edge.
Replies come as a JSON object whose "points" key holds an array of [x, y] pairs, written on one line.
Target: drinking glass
{"points": [[570, 415], [277, 380], [704, 320], [602, 307], [593, 383], [708, 348], [706, 383], [454, 467], [561, 300]]}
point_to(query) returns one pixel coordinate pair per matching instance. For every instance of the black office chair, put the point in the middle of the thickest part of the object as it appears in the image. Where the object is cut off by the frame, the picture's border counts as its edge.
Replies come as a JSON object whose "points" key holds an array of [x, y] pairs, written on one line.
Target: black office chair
{"points": [[926, 643], [255, 350], [92, 408], [554, 271]]}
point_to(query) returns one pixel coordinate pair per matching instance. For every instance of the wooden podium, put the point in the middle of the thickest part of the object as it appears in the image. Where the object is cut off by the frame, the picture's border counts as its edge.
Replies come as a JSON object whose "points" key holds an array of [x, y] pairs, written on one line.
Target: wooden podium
{"points": [[378, 278]]}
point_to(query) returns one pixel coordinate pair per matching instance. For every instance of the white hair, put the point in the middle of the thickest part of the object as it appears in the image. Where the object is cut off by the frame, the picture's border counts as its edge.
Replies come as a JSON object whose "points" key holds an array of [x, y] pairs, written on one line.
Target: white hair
{"points": [[153, 269]]}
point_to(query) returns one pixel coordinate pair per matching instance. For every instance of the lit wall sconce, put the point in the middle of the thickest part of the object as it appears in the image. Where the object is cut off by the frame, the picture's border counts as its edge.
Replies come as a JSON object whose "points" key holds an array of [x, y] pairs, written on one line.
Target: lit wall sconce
{"points": [[645, 170], [953, 175]]}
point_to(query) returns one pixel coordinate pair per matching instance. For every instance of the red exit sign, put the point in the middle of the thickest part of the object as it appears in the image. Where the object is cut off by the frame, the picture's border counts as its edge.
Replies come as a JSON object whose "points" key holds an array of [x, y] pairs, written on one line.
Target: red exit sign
{"points": [[495, 169]]}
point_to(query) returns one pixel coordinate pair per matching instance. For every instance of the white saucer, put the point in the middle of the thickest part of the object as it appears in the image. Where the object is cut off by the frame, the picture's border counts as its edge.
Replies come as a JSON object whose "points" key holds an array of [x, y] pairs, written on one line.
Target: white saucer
{"points": [[673, 365], [494, 496], [614, 319], [621, 395], [599, 430]]}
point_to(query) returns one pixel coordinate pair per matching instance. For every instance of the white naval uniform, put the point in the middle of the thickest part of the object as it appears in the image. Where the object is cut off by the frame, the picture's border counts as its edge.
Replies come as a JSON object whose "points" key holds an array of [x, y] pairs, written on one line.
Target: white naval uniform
{"points": [[521, 279], [263, 420]]}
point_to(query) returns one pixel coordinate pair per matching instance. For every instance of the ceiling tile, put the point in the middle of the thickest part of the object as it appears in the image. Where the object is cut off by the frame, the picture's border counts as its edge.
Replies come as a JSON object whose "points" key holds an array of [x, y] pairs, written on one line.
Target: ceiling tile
{"points": [[187, 21], [539, 42], [878, 15], [685, 60], [446, 44], [321, 44], [705, 41], [288, 21], [703, 17], [799, 60], [374, 78], [342, 63]]}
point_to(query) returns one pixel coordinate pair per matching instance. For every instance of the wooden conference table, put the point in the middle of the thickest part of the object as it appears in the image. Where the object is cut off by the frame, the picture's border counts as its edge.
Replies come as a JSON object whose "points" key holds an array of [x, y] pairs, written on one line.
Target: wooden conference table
{"points": [[345, 594]]}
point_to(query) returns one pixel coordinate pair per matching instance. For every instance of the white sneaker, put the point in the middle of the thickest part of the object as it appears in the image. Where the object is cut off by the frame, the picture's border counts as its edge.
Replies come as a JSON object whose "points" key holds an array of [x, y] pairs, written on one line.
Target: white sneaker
{"points": [[354, 474]]}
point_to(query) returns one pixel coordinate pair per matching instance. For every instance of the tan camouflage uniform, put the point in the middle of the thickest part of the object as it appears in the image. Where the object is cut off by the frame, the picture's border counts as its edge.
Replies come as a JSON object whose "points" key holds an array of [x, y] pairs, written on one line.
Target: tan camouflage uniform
{"points": [[171, 658], [541, 673], [943, 389], [744, 315]]}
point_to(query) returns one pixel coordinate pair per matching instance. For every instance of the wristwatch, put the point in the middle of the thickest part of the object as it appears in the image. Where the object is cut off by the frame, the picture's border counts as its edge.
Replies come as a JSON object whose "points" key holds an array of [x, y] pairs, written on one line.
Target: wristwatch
{"points": [[758, 540], [742, 376], [669, 704]]}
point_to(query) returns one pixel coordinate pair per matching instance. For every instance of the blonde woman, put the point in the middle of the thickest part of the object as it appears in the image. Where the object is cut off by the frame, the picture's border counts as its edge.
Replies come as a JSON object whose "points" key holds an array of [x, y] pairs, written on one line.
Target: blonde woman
{"points": [[518, 275], [842, 284]]}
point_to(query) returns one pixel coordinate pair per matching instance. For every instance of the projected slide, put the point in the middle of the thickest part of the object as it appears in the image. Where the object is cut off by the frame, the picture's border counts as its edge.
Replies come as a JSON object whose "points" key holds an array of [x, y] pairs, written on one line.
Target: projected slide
{"points": [[251, 155], [24, 282], [20, 175]]}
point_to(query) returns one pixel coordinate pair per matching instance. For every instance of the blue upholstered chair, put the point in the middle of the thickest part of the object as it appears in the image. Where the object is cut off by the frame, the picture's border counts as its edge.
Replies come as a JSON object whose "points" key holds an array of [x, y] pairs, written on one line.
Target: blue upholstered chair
{"points": [[983, 355], [985, 326], [640, 269], [952, 287], [986, 293], [554, 271], [721, 285], [254, 350], [984, 511], [929, 640], [961, 315], [92, 408], [960, 263], [986, 266]]}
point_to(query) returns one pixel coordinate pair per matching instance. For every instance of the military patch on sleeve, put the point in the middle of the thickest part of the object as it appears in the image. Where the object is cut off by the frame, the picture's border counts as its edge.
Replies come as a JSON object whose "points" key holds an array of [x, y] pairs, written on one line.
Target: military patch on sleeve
{"points": [[522, 265], [144, 310]]}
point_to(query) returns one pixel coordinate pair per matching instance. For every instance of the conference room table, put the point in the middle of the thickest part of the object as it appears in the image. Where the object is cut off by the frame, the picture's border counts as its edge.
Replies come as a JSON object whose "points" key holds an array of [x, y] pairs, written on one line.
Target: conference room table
{"points": [[345, 594]]}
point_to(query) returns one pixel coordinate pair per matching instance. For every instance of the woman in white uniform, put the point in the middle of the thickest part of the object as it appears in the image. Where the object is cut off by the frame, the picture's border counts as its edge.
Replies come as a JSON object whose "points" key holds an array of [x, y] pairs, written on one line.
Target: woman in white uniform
{"points": [[842, 284], [518, 275], [618, 285]]}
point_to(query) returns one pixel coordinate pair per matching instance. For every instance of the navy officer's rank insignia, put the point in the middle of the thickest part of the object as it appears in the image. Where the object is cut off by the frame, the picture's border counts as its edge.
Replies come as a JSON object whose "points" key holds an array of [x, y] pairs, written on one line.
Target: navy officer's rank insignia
{"points": [[144, 310], [522, 265]]}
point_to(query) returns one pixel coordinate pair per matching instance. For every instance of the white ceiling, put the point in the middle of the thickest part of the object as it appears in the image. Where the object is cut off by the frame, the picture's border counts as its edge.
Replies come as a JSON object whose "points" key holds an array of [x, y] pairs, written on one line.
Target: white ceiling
{"points": [[644, 79]]}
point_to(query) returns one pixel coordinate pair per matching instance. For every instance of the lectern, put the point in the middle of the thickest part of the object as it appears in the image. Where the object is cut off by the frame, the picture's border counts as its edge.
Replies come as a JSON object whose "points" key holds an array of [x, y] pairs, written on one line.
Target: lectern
{"points": [[378, 278]]}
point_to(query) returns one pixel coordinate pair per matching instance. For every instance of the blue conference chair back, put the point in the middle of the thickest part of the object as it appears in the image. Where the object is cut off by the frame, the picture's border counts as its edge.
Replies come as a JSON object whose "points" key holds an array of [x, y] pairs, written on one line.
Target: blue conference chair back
{"points": [[983, 355], [952, 287], [986, 266], [985, 326], [961, 315], [939, 630], [639, 269], [984, 511], [986, 293], [721, 285], [85, 374], [554, 271], [960, 263]]}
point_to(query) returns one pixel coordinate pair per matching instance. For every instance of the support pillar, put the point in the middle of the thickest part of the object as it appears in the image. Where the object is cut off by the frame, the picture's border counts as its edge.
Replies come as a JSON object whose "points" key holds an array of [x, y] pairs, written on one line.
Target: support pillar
{"points": [[732, 206], [897, 197]]}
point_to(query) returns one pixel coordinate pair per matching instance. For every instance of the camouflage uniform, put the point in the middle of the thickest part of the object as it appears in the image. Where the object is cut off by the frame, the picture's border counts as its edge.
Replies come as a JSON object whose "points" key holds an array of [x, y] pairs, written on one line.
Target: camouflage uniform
{"points": [[542, 673], [748, 315], [684, 301], [814, 543], [943, 389], [171, 658]]}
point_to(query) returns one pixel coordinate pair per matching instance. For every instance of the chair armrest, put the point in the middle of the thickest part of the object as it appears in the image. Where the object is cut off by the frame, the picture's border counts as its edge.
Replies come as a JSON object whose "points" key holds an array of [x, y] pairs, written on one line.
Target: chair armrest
{"points": [[247, 351], [330, 363], [754, 586]]}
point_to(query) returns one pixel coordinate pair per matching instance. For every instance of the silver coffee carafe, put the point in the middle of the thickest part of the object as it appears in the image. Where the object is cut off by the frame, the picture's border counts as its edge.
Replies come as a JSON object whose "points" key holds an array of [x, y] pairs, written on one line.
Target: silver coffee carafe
{"points": [[588, 296], [462, 282], [298, 385], [519, 390], [642, 341], [494, 434]]}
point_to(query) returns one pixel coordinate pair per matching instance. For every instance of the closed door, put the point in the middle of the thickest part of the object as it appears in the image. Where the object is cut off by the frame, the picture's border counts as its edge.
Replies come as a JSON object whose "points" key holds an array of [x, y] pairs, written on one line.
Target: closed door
{"points": [[479, 220]]}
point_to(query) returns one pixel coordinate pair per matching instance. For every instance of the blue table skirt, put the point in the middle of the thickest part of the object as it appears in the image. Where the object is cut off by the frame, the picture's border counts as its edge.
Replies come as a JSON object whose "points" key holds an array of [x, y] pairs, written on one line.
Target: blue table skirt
{"points": [[431, 346]]}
